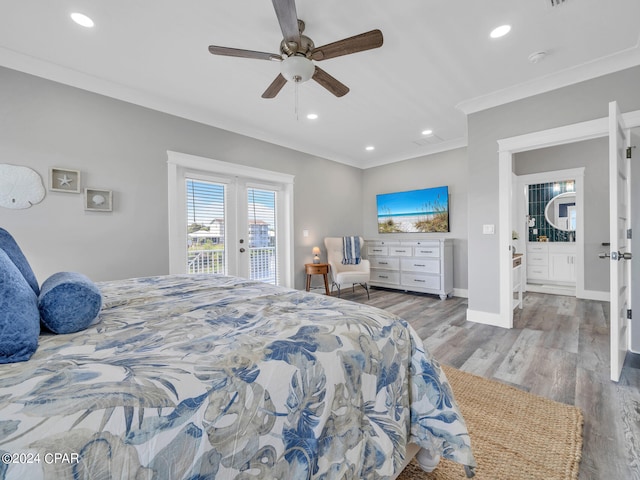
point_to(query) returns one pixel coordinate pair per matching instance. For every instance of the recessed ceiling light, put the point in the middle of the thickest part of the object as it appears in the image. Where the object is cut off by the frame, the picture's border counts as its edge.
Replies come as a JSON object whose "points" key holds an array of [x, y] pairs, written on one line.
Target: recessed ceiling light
{"points": [[500, 31], [427, 132], [370, 148], [82, 19], [312, 116]]}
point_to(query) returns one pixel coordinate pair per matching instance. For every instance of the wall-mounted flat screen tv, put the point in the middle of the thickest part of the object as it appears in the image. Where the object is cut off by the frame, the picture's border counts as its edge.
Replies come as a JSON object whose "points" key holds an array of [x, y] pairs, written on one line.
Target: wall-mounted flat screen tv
{"points": [[414, 211]]}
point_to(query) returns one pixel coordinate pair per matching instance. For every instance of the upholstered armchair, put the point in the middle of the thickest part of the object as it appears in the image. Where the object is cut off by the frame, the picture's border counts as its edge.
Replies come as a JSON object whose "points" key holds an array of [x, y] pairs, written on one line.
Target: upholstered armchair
{"points": [[348, 275]]}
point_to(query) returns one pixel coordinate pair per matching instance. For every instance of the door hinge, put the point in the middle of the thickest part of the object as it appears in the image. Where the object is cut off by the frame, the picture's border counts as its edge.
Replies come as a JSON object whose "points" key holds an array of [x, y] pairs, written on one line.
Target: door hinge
{"points": [[629, 151], [629, 314], [629, 234]]}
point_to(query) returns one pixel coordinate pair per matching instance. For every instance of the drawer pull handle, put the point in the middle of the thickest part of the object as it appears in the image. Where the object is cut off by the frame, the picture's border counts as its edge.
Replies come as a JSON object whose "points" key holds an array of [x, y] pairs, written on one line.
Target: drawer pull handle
{"points": [[426, 251], [418, 265], [382, 276], [401, 251], [419, 281], [383, 263]]}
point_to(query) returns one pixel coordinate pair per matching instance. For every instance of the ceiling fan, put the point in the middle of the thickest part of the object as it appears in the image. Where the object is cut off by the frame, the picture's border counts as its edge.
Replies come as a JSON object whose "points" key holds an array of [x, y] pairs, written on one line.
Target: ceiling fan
{"points": [[297, 52]]}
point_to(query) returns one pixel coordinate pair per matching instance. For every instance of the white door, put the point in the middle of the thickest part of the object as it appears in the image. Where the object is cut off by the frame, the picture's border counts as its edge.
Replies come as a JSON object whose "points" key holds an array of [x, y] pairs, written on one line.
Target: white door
{"points": [[259, 233], [619, 202], [232, 227]]}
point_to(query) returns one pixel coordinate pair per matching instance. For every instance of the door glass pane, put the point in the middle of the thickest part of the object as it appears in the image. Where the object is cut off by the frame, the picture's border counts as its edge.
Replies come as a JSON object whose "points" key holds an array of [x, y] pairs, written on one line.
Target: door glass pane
{"points": [[205, 227], [262, 235]]}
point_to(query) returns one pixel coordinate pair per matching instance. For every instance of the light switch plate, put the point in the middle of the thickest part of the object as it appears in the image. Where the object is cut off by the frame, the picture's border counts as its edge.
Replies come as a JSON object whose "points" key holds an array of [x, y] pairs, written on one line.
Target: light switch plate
{"points": [[488, 229]]}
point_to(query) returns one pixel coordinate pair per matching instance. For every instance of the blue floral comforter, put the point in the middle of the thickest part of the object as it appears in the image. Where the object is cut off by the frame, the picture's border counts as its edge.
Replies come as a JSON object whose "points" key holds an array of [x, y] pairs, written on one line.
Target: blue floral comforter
{"points": [[203, 377]]}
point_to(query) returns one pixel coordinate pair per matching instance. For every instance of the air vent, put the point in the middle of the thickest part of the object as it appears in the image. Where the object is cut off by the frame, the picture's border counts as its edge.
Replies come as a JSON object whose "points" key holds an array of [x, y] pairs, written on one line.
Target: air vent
{"points": [[428, 140]]}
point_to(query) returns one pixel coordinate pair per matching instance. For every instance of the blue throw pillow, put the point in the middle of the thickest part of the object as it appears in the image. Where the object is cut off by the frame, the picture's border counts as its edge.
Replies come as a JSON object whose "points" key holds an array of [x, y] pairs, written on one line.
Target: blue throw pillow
{"points": [[11, 248], [19, 317], [68, 302]]}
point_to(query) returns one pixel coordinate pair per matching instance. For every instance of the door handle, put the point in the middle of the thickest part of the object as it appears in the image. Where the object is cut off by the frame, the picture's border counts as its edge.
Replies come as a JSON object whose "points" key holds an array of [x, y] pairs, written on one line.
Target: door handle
{"points": [[617, 255], [242, 250]]}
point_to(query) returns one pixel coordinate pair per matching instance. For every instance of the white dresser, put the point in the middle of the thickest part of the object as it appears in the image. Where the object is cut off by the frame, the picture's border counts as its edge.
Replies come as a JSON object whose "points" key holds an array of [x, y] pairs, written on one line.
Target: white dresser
{"points": [[419, 266]]}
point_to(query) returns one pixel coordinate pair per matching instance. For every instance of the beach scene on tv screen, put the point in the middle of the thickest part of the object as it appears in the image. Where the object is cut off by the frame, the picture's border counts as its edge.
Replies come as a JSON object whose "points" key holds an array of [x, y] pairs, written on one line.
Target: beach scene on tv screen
{"points": [[415, 211]]}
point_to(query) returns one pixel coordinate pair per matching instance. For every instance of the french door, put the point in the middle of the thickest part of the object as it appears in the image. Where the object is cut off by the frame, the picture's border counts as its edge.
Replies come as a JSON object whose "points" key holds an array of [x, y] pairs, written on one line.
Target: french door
{"points": [[226, 223], [232, 228]]}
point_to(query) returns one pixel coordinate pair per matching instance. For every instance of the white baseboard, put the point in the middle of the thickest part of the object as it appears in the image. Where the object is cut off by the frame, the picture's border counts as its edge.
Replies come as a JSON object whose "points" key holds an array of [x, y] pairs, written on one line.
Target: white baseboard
{"points": [[461, 292], [595, 295], [486, 318], [564, 290]]}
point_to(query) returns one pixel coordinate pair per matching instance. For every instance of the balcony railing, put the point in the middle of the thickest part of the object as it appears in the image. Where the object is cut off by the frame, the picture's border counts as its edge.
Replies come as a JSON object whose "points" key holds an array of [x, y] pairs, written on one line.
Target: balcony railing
{"points": [[205, 261], [262, 265]]}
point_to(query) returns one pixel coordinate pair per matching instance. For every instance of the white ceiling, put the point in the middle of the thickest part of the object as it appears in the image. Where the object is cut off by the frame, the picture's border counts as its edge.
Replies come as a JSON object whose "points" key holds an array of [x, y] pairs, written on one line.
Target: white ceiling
{"points": [[437, 63]]}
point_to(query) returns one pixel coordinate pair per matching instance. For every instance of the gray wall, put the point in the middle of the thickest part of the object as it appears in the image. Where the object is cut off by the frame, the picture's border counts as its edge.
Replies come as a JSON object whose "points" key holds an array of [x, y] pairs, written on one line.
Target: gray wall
{"points": [[581, 102], [123, 147], [447, 168], [594, 156]]}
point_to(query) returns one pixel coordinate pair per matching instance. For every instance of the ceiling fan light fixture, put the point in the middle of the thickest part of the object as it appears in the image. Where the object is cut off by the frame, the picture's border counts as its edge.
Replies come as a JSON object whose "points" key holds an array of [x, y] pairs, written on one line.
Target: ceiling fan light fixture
{"points": [[297, 68]]}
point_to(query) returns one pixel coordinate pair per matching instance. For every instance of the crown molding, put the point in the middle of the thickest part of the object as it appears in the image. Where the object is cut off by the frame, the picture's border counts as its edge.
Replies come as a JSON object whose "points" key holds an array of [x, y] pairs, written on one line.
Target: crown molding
{"points": [[430, 150], [612, 63]]}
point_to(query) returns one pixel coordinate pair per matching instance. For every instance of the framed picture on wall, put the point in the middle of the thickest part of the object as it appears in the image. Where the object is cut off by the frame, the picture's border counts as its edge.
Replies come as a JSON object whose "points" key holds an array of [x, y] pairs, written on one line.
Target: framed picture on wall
{"points": [[64, 180], [98, 200]]}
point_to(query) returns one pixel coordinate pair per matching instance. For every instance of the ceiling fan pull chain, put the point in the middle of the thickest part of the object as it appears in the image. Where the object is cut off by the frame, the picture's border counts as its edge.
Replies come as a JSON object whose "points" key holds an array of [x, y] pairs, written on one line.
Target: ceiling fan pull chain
{"points": [[296, 86]]}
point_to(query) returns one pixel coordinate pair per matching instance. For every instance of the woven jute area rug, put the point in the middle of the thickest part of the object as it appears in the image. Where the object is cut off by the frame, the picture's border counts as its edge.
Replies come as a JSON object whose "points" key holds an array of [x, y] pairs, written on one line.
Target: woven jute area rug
{"points": [[514, 435]]}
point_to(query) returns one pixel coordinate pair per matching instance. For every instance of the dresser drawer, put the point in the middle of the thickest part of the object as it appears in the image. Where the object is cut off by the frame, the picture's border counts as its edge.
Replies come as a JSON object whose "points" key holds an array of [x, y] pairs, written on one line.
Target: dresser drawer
{"points": [[383, 276], [423, 265], [537, 272], [385, 263], [377, 250], [427, 251], [401, 251], [415, 280]]}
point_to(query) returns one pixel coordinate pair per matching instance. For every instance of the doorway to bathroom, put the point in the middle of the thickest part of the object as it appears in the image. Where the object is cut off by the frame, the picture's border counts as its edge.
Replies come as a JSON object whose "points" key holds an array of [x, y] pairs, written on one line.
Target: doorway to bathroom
{"points": [[549, 226]]}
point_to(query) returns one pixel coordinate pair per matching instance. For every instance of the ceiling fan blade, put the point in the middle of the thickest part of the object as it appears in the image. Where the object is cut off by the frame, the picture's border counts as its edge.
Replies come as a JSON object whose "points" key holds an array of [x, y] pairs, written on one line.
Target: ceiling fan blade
{"points": [[238, 52], [330, 83], [357, 43], [275, 87], [288, 19]]}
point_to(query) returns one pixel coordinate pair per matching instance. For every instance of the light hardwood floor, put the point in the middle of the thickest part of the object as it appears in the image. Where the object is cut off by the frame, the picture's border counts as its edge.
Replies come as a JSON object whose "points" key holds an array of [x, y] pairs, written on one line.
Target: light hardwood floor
{"points": [[559, 349]]}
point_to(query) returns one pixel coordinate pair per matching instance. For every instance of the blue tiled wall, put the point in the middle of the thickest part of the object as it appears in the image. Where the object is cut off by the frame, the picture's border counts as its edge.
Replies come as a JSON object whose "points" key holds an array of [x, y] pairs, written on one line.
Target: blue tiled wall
{"points": [[539, 196]]}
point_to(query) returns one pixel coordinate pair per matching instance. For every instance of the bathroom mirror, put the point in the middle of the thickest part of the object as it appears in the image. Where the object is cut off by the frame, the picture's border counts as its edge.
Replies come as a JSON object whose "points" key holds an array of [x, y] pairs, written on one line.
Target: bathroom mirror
{"points": [[560, 212]]}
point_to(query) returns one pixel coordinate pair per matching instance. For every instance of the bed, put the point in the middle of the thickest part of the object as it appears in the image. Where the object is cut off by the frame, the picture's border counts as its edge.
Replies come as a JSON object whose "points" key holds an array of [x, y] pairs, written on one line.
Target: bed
{"points": [[225, 378]]}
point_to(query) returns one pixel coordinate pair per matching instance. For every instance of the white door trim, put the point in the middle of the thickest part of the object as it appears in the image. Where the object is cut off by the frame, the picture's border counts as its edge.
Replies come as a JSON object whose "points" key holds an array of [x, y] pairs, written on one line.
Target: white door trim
{"points": [[532, 141]]}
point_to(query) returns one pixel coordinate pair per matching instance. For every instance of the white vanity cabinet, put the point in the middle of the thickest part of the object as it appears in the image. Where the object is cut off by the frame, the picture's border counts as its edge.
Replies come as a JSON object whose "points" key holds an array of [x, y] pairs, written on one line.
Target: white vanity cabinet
{"points": [[551, 262], [562, 262], [419, 266]]}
